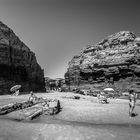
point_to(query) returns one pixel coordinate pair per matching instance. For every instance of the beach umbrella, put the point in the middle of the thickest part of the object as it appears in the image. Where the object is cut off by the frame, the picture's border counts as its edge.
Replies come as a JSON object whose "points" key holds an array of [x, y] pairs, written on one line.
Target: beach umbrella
{"points": [[108, 89], [15, 88]]}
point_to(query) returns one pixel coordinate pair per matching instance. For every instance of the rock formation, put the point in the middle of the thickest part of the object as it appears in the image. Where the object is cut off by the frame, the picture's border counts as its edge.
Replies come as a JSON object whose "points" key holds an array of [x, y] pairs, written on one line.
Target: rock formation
{"points": [[18, 64], [115, 62]]}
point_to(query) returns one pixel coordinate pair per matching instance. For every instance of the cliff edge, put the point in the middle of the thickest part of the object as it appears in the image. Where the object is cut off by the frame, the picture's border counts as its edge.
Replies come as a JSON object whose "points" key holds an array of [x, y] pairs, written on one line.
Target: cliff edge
{"points": [[18, 64], [113, 62]]}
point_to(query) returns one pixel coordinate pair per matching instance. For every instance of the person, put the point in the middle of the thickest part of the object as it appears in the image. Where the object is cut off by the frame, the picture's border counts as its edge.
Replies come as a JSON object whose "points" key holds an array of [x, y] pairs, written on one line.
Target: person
{"points": [[132, 101], [16, 93], [32, 97], [102, 97]]}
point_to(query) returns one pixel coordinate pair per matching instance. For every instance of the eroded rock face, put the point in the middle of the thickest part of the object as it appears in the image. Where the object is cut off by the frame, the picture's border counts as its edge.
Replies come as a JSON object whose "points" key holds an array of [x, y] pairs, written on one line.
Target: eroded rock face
{"points": [[18, 64], [114, 61]]}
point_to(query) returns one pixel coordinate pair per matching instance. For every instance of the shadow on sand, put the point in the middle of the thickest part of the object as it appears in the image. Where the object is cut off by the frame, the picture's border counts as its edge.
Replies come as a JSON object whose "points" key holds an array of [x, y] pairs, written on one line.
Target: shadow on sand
{"points": [[134, 115]]}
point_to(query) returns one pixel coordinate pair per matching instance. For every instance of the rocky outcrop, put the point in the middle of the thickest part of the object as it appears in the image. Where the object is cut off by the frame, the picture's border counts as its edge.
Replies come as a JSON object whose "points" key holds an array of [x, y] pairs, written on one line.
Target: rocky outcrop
{"points": [[115, 61], [29, 110], [18, 64]]}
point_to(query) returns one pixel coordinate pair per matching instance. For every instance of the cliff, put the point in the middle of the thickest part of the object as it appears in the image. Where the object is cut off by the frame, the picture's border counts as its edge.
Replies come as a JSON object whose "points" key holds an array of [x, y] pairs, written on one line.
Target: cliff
{"points": [[18, 64], [113, 62]]}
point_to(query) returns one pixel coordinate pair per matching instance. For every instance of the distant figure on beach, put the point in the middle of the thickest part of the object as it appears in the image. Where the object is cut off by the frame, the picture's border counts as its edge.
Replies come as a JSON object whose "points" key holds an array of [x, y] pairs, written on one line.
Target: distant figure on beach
{"points": [[16, 93], [32, 97], [132, 101], [102, 97]]}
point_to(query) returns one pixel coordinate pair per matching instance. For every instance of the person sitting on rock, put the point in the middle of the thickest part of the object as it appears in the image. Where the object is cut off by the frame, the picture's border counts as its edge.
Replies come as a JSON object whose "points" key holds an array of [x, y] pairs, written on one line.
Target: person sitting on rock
{"points": [[32, 97]]}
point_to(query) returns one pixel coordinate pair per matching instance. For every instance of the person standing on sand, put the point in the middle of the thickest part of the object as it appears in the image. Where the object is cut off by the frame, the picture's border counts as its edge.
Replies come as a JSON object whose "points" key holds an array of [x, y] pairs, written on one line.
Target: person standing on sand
{"points": [[132, 101]]}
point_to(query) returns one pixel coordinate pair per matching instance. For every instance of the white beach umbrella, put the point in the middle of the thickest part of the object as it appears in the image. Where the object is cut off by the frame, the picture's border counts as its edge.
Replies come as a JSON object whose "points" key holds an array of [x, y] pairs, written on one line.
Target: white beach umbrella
{"points": [[15, 88], [108, 89]]}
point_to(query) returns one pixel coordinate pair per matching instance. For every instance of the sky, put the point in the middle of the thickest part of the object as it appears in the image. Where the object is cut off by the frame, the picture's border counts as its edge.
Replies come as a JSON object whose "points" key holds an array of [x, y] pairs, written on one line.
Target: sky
{"points": [[56, 30]]}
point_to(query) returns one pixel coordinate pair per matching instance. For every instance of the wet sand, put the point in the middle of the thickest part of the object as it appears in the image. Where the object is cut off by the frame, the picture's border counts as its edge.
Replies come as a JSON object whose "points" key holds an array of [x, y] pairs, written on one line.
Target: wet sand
{"points": [[83, 119]]}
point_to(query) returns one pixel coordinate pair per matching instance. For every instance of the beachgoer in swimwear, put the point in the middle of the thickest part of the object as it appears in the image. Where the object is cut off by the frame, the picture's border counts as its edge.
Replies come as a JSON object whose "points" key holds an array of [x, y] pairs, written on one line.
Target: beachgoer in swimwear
{"points": [[132, 101]]}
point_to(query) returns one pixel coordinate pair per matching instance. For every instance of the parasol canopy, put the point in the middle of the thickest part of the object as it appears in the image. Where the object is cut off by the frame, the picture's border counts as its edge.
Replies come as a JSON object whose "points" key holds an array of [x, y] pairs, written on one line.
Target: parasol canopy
{"points": [[108, 89], [15, 88]]}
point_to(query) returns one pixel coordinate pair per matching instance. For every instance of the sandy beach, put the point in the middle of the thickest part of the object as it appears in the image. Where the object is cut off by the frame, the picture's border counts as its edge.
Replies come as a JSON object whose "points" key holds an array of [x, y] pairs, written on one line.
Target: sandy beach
{"points": [[83, 119]]}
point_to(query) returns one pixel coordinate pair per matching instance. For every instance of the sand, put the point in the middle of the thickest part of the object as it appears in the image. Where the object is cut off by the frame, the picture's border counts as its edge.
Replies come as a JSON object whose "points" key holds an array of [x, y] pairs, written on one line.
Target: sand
{"points": [[83, 119]]}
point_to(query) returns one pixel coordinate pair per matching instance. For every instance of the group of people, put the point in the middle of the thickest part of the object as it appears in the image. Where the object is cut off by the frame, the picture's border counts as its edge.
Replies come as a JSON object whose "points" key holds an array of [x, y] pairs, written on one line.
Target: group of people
{"points": [[102, 98]]}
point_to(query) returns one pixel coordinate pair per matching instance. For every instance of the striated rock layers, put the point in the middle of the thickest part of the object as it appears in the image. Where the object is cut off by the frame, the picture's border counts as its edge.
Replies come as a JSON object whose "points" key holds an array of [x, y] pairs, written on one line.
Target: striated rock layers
{"points": [[18, 65], [115, 62]]}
